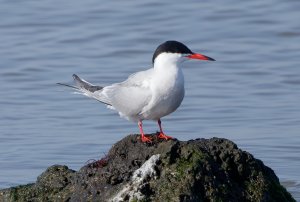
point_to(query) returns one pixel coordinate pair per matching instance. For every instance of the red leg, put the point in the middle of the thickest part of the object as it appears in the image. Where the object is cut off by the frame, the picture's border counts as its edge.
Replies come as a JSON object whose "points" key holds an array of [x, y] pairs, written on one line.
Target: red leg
{"points": [[144, 138], [161, 134]]}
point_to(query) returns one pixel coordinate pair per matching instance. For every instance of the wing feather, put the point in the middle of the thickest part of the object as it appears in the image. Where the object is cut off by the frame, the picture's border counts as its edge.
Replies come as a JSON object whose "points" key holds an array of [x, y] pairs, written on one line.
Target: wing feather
{"points": [[132, 95], [129, 97]]}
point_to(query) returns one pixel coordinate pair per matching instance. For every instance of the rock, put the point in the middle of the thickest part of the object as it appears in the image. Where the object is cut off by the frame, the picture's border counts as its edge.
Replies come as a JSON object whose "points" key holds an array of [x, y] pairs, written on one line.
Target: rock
{"points": [[196, 170], [52, 185]]}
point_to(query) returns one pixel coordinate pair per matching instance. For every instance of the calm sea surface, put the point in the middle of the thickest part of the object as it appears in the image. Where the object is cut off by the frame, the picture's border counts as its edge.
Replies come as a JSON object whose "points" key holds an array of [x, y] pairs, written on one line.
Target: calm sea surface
{"points": [[250, 95]]}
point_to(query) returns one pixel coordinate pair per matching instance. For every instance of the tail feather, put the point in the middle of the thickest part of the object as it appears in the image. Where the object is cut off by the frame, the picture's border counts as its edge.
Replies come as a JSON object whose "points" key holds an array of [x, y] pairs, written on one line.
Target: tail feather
{"points": [[64, 84], [85, 88], [82, 84]]}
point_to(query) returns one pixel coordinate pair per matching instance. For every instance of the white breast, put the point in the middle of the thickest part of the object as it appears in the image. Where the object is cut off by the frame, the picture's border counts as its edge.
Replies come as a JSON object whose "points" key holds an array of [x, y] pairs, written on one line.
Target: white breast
{"points": [[167, 86]]}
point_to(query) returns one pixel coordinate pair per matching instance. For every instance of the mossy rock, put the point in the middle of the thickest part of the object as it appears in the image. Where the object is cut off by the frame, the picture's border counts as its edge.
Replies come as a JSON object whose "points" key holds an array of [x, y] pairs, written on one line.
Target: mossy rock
{"points": [[197, 170]]}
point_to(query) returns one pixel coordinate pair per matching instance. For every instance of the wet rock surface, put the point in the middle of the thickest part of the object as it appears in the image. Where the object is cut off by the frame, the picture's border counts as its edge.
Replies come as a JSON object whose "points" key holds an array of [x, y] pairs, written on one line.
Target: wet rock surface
{"points": [[196, 170]]}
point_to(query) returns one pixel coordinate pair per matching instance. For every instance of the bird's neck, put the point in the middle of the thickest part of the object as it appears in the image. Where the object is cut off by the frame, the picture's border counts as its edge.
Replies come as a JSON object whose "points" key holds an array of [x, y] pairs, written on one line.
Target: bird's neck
{"points": [[167, 71], [167, 62]]}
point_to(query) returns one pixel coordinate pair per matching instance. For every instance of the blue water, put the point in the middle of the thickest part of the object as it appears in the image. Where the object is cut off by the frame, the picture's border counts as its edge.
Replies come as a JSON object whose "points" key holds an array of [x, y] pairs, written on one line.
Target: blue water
{"points": [[250, 94]]}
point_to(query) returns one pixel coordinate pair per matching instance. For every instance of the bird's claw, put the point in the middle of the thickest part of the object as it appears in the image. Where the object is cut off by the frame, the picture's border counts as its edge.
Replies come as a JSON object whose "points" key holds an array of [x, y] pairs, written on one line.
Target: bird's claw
{"points": [[163, 136], [146, 139]]}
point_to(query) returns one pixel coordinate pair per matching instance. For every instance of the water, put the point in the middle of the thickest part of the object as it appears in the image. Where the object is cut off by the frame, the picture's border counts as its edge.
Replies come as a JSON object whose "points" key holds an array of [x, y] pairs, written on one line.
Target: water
{"points": [[250, 94]]}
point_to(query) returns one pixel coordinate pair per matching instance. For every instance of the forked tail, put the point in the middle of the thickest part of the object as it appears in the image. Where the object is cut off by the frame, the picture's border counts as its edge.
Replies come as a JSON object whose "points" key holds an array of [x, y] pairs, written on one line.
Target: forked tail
{"points": [[86, 88]]}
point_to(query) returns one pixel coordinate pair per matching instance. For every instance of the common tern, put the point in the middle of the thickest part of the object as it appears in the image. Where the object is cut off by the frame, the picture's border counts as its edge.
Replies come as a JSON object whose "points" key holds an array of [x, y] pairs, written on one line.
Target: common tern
{"points": [[150, 94]]}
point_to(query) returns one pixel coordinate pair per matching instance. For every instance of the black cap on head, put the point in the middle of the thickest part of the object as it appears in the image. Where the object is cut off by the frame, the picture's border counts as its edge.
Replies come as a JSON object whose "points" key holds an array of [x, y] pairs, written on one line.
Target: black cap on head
{"points": [[171, 47]]}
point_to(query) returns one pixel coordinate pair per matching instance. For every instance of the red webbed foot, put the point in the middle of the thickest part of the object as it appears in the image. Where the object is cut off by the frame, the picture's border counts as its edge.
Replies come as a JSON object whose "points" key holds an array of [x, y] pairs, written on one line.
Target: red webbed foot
{"points": [[146, 139], [163, 136]]}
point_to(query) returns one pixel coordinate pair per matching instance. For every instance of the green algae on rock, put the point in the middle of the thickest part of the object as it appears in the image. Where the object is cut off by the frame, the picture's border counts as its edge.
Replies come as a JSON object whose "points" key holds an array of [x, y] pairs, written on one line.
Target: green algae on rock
{"points": [[196, 170], [52, 185]]}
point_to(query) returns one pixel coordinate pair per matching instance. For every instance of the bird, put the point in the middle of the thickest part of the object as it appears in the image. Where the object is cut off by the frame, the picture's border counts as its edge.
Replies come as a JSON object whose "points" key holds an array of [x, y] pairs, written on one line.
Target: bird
{"points": [[150, 94]]}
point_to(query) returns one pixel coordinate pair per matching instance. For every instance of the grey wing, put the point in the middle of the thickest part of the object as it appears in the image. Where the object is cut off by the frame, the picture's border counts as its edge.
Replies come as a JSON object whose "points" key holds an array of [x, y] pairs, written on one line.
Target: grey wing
{"points": [[130, 96]]}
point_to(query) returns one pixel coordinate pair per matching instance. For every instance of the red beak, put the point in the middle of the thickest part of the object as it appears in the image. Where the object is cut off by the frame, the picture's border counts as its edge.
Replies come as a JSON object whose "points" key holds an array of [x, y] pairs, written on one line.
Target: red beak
{"points": [[198, 56]]}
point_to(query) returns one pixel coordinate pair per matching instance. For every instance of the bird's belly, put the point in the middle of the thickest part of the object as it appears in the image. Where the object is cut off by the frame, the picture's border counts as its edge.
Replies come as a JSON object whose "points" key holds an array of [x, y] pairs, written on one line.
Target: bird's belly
{"points": [[165, 104]]}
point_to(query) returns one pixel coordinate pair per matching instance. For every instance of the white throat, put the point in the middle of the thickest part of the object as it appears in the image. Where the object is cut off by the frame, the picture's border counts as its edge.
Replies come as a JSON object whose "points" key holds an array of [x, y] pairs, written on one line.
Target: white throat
{"points": [[167, 61], [167, 73]]}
